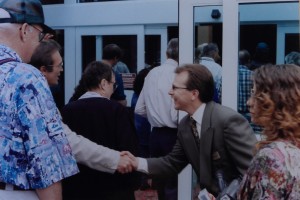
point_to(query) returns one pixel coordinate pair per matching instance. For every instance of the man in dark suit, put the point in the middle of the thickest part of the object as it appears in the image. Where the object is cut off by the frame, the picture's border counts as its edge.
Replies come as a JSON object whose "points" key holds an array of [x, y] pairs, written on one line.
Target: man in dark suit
{"points": [[214, 139]]}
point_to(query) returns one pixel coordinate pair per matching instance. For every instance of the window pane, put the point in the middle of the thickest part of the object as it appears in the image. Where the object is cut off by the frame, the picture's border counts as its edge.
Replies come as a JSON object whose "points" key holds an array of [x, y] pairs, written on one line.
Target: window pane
{"points": [[267, 39]]}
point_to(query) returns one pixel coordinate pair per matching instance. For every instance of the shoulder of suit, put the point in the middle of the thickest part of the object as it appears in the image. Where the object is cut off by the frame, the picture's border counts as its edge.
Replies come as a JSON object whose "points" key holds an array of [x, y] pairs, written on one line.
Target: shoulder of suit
{"points": [[184, 120], [223, 111]]}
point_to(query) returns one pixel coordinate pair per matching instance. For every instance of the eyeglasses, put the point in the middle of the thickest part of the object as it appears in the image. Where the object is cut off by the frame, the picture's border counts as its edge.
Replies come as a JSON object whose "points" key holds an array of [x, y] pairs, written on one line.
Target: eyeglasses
{"points": [[175, 88], [41, 35], [115, 85], [60, 65]]}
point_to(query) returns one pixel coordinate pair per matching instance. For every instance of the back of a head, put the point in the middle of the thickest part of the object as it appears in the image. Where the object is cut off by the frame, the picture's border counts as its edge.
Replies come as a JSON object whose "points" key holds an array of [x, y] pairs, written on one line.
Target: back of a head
{"points": [[210, 50], [200, 78], [262, 53], [172, 49], [293, 58], [42, 55], [244, 57], [139, 80], [111, 51], [200, 49]]}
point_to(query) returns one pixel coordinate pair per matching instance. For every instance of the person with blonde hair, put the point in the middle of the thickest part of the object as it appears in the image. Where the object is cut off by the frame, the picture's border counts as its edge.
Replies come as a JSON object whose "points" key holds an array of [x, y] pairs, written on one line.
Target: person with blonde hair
{"points": [[275, 105]]}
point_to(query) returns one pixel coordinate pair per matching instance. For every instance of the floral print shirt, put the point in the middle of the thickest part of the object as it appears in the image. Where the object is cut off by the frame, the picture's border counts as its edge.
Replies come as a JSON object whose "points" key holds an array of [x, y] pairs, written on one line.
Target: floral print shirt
{"points": [[34, 152], [274, 173]]}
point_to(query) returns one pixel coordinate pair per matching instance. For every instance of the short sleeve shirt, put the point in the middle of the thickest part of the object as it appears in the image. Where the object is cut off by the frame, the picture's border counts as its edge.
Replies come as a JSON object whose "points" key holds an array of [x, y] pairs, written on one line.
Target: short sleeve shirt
{"points": [[34, 152]]}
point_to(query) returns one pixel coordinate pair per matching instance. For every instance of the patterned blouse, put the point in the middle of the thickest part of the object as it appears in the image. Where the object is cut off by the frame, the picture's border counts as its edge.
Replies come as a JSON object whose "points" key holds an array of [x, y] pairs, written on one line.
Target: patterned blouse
{"points": [[34, 152], [274, 173]]}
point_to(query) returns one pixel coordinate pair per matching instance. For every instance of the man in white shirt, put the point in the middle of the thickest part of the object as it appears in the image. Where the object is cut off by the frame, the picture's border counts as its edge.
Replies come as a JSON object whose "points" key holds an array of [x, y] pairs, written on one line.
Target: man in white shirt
{"points": [[209, 58], [155, 104]]}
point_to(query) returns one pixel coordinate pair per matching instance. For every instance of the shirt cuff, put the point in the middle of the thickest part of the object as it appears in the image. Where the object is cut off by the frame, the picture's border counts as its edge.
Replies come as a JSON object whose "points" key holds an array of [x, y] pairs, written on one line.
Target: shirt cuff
{"points": [[143, 165]]}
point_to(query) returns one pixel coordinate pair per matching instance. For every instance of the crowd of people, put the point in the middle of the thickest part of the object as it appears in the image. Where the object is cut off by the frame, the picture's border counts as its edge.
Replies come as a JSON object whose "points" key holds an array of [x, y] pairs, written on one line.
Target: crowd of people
{"points": [[43, 157]]}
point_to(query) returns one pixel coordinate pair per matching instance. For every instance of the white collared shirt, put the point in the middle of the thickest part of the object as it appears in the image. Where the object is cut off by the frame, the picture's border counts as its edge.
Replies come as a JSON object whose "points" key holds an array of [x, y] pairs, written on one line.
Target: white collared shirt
{"points": [[154, 101], [90, 94], [198, 116]]}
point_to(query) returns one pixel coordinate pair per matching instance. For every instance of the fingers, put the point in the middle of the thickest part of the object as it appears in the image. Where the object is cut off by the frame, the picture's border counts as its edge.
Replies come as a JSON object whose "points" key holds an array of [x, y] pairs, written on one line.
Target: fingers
{"points": [[127, 153], [127, 163]]}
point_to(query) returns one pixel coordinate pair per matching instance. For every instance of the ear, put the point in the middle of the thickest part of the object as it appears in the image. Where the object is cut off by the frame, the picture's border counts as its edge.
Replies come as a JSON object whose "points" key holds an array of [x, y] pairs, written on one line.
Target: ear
{"points": [[43, 70], [103, 83], [195, 94], [24, 32]]}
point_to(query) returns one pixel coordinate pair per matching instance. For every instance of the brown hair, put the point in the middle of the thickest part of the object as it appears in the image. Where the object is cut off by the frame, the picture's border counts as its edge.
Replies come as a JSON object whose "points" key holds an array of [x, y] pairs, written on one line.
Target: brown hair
{"points": [[277, 99], [91, 77], [42, 55], [199, 79]]}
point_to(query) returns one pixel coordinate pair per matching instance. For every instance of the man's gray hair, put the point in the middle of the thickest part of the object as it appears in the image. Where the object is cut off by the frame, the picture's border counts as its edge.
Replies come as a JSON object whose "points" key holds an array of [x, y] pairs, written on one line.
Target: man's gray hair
{"points": [[172, 49], [210, 49]]}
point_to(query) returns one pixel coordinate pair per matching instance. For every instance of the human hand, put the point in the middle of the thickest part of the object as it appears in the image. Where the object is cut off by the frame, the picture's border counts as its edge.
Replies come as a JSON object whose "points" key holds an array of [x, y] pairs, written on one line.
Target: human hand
{"points": [[204, 194], [134, 160], [127, 162]]}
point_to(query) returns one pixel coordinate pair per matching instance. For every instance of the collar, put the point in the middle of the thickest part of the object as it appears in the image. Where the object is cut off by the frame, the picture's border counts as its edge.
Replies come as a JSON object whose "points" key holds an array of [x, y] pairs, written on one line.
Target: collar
{"points": [[90, 94], [198, 114], [207, 59], [172, 62], [7, 52]]}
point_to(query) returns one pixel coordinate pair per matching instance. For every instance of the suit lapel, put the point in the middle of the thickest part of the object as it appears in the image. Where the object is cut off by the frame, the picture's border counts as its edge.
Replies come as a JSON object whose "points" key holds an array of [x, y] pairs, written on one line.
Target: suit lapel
{"points": [[206, 142], [190, 144]]}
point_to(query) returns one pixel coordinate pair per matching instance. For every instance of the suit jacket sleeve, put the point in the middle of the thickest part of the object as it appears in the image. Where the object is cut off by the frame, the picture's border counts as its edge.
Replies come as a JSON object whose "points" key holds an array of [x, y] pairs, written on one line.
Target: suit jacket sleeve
{"points": [[91, 154], [169, 165]]}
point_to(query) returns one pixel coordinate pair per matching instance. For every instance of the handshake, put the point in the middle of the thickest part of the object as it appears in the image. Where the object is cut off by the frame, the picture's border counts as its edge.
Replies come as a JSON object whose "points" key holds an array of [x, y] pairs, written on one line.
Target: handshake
{"points": [[127, 162]]}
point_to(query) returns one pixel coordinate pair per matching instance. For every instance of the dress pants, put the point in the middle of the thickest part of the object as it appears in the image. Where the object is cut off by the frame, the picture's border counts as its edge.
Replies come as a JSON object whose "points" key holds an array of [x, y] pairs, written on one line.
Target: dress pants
{"points": [[162, 140]]}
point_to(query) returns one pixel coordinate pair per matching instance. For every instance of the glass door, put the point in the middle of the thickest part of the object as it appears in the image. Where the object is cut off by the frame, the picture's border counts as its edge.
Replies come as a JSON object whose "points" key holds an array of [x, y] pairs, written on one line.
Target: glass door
{"points": [[243, 24]]}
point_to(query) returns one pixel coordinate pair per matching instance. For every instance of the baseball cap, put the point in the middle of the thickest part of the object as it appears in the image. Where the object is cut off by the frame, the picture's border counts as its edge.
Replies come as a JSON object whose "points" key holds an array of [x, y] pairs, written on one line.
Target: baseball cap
{"points": [[25, 11]]}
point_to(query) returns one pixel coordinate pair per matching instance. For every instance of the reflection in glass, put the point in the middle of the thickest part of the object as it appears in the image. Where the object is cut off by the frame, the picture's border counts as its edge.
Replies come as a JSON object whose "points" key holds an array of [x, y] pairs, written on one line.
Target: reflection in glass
{"points": [[292, 48], [208, 51], [152, 50], [208, 43], [128, 44], [267, 38]]}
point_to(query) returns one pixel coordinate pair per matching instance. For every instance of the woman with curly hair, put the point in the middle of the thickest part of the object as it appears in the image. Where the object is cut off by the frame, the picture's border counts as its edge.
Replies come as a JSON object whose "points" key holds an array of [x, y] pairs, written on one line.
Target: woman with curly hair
{"points": [[274, 172]]}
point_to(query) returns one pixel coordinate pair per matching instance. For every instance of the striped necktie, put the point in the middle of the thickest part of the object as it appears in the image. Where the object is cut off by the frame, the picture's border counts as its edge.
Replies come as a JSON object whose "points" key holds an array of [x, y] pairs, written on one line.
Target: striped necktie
{"points": [[194, 130]]}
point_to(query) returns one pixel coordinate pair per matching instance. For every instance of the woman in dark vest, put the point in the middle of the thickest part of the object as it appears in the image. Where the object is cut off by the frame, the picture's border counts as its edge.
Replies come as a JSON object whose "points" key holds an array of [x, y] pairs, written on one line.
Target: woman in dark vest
{"points": [[106, 122]]}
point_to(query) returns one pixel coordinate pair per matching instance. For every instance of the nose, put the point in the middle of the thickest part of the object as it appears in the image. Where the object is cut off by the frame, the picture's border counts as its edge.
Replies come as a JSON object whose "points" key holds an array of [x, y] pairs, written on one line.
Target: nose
{"points": [[171, 92], [249, 102]]}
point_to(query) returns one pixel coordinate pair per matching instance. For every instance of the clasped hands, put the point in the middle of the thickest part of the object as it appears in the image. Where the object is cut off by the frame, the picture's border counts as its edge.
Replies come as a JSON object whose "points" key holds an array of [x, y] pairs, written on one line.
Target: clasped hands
{"points": [[127, 162]]}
